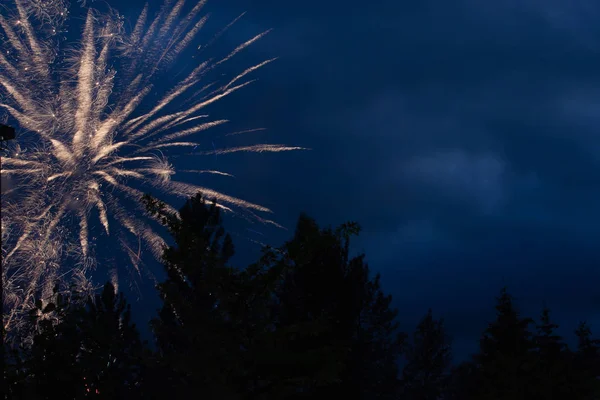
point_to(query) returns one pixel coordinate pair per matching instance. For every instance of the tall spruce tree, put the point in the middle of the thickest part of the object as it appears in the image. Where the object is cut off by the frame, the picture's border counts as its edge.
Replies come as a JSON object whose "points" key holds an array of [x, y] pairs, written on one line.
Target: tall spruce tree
{"points": [[353, 318], [426, 373], [194, 334], [505, 361], [217, 332], [552, 374]]}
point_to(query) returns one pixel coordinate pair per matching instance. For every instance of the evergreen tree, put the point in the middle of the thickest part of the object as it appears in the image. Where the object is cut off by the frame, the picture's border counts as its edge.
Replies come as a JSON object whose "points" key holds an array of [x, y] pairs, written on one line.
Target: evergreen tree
{"points": [[548, 344], [275, 367], [464, 382], [513, 363], [47, 368], [587, 364], [80, 350], [307, 320], [194, 334], [552, 374], [426, 373], [505, 362], [352, 317], [111, 352], [217, 333], [378, 344]]}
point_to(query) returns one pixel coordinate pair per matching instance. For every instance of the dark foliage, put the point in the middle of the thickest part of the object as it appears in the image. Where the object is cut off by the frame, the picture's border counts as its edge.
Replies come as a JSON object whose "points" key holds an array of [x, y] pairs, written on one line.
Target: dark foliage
{"points": [[516, 363], [307, 320], [339, 314], [79, 350], [427, 372], [586, 364], [275, 329], [505, 362]]}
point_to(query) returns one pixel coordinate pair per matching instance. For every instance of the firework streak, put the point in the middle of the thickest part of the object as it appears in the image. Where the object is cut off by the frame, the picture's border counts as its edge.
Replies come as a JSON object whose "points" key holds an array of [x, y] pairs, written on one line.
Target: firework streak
{"points": [[87, 147]]}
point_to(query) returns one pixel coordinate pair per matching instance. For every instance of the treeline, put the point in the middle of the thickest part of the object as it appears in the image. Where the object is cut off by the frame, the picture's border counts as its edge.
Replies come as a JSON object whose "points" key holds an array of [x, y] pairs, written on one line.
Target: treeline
{"points": [[305, 321]]}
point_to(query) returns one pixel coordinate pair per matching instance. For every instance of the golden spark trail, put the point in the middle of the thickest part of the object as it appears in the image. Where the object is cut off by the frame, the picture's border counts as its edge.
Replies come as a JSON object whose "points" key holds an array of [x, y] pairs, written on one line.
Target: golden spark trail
{"points": [[92, 140]]}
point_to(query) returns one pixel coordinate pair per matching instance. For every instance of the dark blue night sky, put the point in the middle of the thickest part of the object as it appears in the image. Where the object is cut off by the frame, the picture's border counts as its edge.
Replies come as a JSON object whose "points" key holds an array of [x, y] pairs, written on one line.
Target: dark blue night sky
{"points": [[461, 135]]}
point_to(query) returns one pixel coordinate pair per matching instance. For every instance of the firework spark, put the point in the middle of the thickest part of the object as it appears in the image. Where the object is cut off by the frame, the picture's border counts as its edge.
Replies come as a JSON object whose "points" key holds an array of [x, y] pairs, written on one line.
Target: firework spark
{"points": [[86, 146]]}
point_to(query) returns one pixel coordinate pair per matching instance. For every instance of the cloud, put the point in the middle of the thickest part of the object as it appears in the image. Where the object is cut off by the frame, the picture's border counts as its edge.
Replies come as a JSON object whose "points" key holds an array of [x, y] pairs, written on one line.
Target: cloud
{"points": [[579, 107], [576, 18], [461, 135], [418, 231], [477, 178]]}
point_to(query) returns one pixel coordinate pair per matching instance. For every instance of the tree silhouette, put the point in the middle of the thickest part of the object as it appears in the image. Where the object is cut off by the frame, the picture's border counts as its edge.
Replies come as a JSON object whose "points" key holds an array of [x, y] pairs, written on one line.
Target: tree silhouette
{"points": [[84, 350], [504, 361], [194, 334], [587, 363], [464, 382], [352, 318], [515, 363], [111, 352], [552, 374], [47, 367], [306, 320], [426, 373]]}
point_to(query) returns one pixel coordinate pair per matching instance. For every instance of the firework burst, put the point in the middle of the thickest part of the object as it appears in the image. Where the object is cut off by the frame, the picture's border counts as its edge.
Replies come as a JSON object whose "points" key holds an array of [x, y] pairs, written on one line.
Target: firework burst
{"points": [[86, 149]]}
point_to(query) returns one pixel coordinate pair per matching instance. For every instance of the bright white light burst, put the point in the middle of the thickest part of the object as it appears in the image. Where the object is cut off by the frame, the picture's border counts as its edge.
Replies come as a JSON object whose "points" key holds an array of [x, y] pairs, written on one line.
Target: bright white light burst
{"points": [[84, 148]]}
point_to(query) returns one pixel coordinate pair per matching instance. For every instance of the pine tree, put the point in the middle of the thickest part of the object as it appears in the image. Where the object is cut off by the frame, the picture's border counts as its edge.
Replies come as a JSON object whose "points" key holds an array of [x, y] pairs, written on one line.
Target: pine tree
{"points": [[194, 335], [464, 382], [426, 373], [305, 320], [548, 344], [309, 347], [80, 350], [504, 361], [352, 317], [47, 368], [378, 341], [276, 367], [587, 363], [111, 352], [217, 331], [552, 374]]}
